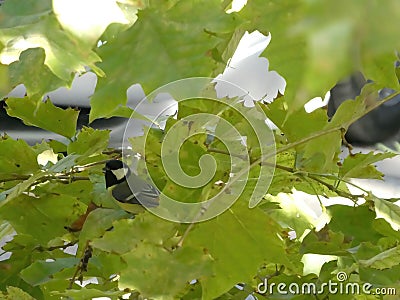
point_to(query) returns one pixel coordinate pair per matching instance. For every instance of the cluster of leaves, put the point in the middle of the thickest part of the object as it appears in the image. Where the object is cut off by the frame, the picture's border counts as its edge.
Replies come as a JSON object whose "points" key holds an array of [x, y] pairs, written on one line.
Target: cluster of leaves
{"points": [[51, 208]]}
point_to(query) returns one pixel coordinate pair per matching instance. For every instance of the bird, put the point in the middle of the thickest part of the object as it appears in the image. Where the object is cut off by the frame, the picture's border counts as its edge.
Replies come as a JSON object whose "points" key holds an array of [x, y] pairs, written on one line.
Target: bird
{"points": [[131, 192]]}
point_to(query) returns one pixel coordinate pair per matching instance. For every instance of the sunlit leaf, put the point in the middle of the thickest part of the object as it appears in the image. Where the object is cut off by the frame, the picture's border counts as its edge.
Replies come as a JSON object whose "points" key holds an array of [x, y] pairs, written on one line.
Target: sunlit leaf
{"points": [[32, 29], [184, 52], [31, 71], [388, 211], [361, 165]]}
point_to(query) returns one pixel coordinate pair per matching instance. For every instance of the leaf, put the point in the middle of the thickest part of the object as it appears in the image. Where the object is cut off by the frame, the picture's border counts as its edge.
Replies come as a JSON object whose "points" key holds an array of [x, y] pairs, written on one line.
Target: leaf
{"points": [[5, 85], [313, 49], [385, 277], [98, 16], [184, 52], [254, 233], [326, 242], [31, 71], [292, 214], [384, 260], [64, 164], [16, 293], [22, 27], [351, 110], [179, 268], [43, 218], [24, 13], [20, 188], [287, 52], [45, 115], [21, 247], [382, 227], [360, 165], [144, 228], [97, 223], [354, 222], [5, 230], [147, 240], [89, 293], [16, 157], [320, 145], [388, 211], [42, 271], [89, 141]]}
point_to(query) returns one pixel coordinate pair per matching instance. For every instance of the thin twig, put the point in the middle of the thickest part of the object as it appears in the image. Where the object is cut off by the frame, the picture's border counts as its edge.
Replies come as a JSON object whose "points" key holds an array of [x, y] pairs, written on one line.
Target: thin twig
{"points": [[41, 248], [82, 265], [215, 150]]}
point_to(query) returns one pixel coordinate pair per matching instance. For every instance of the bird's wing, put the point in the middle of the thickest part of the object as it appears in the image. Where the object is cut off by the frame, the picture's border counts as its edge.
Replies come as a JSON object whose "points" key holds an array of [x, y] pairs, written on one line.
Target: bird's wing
{"points": [[137, 191]]}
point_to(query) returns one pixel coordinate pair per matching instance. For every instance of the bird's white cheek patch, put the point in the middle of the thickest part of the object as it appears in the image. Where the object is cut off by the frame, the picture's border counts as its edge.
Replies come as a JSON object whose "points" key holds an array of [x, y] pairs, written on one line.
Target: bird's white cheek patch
{"points": [[119, 174]]}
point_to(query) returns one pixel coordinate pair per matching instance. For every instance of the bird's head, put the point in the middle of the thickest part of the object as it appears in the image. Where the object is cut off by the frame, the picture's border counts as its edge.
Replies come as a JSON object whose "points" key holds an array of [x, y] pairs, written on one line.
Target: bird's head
{"points": [[115, 172]]}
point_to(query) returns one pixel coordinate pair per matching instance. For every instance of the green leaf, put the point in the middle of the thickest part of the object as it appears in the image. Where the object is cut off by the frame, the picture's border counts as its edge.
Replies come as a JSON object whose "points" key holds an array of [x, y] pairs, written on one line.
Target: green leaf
{"points": [[144, 228], [326, 242], [320, 146], [97, 223], [64, 164], [254, 233], [57, 146], [360, 165], [354, 222], [384, 260], [287, 51], [146, 243], [292, 215], [5, 229], [89, 293], [24, 13], [385, 277], [388, 211], [23, 27], [16, 293], [21, 247], [16, 157], [384, 228], [185, 51], [351, 110], [20, 188], [43, 218], [98, 16], [313, 49], [42, 271], [89, 141], [31, 71], [179, 268], [5, 85], [45, 115]]}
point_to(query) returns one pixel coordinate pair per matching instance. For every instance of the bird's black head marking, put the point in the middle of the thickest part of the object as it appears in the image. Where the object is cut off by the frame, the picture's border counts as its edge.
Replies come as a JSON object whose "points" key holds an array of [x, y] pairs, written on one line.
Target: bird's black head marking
{"points": [[115, 172]]}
